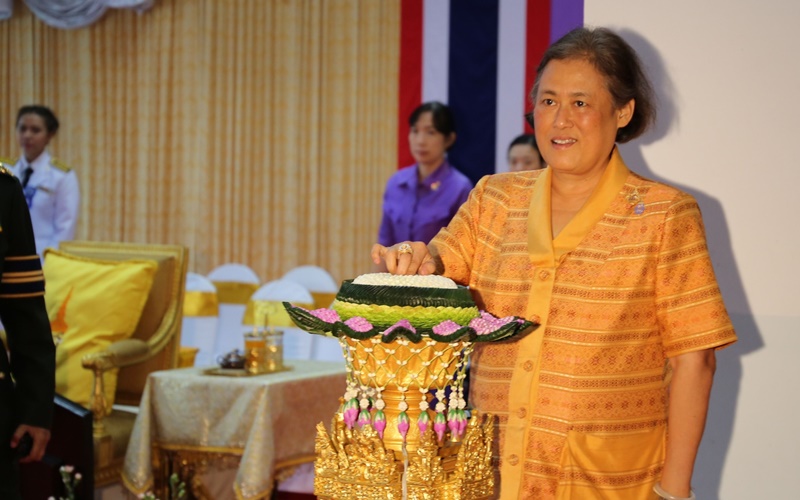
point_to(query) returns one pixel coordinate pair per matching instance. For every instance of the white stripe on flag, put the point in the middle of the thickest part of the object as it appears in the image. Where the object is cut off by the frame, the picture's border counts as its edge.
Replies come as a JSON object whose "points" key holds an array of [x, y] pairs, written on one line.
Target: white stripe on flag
{"points": [[510, 78], [435, 50]]}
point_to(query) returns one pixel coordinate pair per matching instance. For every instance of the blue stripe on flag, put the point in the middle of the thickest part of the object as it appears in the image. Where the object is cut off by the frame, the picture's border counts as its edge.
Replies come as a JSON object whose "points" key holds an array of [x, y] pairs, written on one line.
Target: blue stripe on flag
{"points": [[472, 88]]}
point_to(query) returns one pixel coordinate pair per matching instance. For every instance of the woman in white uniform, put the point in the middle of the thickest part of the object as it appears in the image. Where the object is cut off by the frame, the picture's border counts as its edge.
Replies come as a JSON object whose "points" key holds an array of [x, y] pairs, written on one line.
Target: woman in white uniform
{"points": [[50, 187]]}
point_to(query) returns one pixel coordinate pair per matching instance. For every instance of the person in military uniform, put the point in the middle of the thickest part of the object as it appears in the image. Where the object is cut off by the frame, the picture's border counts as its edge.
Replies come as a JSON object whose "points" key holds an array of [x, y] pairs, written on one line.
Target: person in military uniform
{"points": [[27, 376], [50, 187]]}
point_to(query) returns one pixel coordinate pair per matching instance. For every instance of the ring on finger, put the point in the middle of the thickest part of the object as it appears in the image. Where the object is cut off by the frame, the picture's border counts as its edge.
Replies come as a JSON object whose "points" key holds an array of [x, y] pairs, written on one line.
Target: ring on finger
{"points": [[405, 248]]}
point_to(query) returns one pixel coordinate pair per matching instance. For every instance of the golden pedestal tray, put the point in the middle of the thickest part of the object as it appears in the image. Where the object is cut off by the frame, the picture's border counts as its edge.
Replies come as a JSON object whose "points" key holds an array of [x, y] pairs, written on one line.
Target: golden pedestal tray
{"points": [[403, 431]]}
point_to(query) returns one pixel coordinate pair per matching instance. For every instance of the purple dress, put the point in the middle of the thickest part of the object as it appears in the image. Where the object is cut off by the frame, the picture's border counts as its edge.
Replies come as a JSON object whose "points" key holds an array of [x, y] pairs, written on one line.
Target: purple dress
{"points": [[416, 211]]}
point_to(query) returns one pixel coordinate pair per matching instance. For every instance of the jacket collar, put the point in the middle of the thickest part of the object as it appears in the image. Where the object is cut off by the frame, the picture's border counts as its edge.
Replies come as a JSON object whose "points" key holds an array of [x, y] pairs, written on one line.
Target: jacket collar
{"points": [[547, 251]]}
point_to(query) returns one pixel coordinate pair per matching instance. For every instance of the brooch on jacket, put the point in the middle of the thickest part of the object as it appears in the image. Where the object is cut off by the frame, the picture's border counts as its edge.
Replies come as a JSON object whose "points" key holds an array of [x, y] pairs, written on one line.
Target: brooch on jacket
{"points": [[635, 201]]}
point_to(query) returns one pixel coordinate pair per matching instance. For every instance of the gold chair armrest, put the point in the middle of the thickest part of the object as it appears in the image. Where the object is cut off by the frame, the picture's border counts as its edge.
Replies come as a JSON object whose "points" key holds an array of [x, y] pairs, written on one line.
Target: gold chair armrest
{"points": [[129, 351], [123, 353]]}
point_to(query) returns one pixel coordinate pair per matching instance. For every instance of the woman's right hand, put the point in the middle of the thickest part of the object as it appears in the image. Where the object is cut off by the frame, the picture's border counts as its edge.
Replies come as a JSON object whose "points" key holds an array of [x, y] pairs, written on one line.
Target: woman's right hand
{"points": [[408, 257]]}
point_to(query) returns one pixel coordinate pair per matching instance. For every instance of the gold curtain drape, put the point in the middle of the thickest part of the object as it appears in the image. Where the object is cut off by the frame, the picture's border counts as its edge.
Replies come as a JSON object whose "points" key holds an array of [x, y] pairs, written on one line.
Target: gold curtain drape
{"points": [[252, 131]]}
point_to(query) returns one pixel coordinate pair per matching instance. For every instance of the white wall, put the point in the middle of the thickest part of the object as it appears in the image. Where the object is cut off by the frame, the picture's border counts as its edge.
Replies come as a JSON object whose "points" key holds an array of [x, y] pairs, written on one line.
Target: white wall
{"points": [[728, 76]]}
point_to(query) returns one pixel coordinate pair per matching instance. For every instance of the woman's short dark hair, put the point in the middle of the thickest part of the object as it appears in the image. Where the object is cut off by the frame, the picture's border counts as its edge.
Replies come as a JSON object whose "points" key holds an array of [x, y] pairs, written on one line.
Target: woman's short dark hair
{"points": [[441, 115], [50, 120], [526, 140], [616, 60]]}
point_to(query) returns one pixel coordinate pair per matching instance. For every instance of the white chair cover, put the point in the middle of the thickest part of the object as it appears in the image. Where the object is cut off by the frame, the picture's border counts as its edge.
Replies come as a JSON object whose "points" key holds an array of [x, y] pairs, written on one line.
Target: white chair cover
{"points": [[235, 284], [200, 320], [297, 344], [233, 272], [314, 278], [321, 284]]}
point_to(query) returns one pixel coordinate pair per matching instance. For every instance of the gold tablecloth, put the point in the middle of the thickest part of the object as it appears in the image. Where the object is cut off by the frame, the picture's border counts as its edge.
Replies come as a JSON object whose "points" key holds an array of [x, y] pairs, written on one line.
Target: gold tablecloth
{"points": [[265, 420]]}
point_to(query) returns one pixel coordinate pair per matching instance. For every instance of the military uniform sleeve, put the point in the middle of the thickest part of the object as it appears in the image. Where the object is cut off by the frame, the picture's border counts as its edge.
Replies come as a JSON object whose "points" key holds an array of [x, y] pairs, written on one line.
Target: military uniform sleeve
{"points": [[23, 311]]}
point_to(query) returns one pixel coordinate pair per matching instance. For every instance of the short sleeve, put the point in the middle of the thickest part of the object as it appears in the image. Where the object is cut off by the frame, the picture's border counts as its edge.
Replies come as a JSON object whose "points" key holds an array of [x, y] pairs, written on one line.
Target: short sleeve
{"points": [[691, 312], [454, 246]]}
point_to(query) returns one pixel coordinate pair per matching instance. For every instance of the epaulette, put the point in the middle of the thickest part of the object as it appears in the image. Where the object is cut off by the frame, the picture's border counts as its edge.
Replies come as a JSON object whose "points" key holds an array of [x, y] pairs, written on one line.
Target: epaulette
{"points": [[60, 165], [7, 162]]}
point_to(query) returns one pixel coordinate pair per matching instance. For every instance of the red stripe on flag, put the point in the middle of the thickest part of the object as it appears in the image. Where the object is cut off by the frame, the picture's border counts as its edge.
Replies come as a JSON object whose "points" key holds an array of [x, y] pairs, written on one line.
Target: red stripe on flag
{"points": [[537, 41], [410, 95]]}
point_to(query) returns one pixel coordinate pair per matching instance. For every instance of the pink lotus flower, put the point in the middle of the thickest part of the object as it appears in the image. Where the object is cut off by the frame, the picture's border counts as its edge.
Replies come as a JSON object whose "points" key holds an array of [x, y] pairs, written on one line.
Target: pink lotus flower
{"points": [[457, 422], [350, 412], [364, 418], [403, 424], [440, 425], [452, 423], [404, 323], [446, 327], [462, 422], [326, 315], [423, 422], [359, 324], [379, 422], [487, 323]]}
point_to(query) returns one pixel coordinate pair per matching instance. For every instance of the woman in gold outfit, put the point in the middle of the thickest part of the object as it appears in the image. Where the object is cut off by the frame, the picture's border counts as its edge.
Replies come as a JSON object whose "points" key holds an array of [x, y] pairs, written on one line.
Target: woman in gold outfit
{"points": [[615, 269]]}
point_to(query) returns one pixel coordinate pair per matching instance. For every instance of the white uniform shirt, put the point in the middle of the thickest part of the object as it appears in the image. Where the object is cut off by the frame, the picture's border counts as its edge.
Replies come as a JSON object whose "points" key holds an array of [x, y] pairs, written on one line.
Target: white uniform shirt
{"points": [[53, 199]]}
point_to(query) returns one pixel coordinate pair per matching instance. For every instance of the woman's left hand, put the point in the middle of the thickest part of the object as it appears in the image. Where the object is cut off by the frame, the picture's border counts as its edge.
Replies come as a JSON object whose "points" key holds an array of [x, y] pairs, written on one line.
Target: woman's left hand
{"points": [[405, 258]]}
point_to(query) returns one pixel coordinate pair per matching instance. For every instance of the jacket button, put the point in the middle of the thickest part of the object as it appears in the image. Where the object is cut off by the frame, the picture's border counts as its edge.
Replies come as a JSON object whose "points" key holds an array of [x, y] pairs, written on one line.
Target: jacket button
{"points": [[521, 413], [528, 366], [513, 460], [543, 275]]}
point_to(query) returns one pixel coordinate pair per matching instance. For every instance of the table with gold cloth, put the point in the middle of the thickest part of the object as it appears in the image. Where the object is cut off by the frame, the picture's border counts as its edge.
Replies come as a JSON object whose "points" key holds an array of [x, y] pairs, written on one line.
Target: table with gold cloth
{"points": [[263, 422]]}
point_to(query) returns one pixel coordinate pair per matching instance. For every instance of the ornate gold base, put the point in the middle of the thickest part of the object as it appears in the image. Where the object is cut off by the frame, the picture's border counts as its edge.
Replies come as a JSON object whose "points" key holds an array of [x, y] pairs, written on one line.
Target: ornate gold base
{"points": [[356, 464]]}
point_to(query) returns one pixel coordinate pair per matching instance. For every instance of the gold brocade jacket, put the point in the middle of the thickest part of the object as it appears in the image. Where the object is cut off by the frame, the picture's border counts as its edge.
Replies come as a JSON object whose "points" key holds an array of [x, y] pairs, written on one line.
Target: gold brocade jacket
{"points": [[581, 402]]}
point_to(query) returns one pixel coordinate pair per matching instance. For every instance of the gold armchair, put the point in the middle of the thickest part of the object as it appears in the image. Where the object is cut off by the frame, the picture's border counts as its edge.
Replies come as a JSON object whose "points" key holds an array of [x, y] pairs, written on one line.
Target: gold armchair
{"points": [[153, 346]]}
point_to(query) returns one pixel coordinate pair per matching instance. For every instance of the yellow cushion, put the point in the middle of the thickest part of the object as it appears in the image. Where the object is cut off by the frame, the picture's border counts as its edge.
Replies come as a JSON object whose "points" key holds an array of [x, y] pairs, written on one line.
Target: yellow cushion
{"points": [[93, 303]]}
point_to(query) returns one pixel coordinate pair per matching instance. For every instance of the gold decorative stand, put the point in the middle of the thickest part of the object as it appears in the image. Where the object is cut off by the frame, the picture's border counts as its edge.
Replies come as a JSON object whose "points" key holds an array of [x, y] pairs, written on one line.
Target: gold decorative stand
{"points": [[403, 430], [416, 463], [355, 464]]}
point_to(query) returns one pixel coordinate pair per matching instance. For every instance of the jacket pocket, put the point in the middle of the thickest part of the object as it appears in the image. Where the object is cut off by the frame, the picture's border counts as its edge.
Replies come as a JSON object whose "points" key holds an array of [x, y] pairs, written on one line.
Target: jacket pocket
{"points": [[611, 466]]}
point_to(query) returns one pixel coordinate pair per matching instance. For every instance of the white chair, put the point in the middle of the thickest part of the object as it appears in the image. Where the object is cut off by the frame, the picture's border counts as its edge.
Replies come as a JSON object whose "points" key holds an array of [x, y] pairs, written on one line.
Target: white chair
{"points": [[317, 280], [323, 289], [297, 344], [235, 284], [200, 318]]}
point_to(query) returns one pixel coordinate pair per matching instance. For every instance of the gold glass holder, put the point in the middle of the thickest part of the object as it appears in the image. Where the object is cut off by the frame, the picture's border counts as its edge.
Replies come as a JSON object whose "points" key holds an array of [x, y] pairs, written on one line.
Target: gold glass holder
{"points": [[263, 353]]}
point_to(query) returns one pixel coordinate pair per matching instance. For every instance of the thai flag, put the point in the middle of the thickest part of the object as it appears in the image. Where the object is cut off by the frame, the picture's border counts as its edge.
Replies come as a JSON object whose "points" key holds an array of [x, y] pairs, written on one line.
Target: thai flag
{"points": [[480, 58]]}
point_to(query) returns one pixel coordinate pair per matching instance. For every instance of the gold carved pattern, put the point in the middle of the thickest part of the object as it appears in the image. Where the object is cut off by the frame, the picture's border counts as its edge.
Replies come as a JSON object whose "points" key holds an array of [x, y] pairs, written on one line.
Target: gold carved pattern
{"points": [[356, 464]]}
